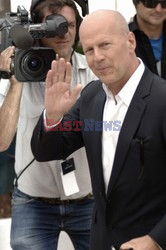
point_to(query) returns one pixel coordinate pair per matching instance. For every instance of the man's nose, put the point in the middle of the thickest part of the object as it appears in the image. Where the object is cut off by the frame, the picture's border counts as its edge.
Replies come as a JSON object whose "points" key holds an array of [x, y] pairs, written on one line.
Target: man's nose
{"points": [[158, 7], [98, 55]]}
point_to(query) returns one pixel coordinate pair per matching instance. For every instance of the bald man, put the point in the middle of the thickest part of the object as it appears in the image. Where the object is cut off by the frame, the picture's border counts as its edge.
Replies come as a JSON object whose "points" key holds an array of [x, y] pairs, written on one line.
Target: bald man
{"points": [[123, 128]]}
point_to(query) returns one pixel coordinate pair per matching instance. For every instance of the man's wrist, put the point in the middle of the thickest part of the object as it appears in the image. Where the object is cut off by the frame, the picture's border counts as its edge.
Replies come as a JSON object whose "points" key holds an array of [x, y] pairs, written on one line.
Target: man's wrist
{"points": [[50, 123]]}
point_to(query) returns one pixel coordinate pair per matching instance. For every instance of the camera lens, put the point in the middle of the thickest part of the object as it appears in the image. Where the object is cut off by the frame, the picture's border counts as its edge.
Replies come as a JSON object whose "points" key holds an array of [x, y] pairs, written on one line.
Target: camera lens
{"points": [[34, 63]]}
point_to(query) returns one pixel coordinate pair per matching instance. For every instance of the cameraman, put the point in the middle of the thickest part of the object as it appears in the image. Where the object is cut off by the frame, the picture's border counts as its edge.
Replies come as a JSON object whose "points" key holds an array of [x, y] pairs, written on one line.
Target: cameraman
{"points": [[9, 111], [45, 201]]}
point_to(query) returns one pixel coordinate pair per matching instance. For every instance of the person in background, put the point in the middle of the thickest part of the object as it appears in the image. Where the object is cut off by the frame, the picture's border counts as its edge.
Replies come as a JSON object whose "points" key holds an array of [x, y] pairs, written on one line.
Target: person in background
{"points": [[53, 196], [149, 28], [9, 109], [123, 128]]}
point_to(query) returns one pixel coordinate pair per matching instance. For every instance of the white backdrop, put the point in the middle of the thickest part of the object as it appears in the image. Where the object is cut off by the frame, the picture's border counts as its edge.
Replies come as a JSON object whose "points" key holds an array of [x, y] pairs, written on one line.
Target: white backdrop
{"points": [[126, 7]]}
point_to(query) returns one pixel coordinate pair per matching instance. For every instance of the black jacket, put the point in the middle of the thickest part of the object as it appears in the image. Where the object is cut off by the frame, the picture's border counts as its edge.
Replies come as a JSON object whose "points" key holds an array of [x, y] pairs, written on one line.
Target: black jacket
{"points": [[135, 204], [144, 49]]}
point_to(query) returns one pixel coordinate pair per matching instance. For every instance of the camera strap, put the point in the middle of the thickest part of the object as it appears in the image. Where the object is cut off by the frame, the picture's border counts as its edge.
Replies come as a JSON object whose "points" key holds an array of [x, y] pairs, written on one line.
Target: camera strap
{"points": [[21, 172]]}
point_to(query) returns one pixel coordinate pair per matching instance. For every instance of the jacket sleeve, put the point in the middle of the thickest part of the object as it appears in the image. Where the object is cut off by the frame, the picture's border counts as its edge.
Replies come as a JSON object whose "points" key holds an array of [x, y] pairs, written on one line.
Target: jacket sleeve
{"points": [[58, 143]]}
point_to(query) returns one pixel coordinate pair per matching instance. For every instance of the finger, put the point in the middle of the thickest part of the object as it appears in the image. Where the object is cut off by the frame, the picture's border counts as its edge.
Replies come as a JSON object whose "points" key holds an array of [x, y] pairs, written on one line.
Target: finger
{"points": [[61, 69], [11, 50], [75, 92], [126, 246], [8, 60], [68, 74], [5, 61], [8, 52], [54, 73], [49, 79], [57, 57], [8, 64]]}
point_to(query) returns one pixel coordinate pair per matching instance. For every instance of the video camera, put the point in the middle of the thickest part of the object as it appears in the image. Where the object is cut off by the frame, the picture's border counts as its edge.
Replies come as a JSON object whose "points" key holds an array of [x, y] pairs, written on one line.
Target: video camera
{"points": [[30, 61]]}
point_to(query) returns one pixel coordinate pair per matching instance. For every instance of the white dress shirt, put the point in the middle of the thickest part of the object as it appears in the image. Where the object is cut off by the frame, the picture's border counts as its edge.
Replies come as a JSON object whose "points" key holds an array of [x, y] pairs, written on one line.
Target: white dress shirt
{"points": [[115, 110]]}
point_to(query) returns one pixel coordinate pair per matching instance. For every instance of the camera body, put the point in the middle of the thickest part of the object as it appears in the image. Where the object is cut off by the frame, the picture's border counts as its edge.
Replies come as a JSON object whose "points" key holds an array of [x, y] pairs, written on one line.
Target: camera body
{"points": [[33, 63], [11, 19]]}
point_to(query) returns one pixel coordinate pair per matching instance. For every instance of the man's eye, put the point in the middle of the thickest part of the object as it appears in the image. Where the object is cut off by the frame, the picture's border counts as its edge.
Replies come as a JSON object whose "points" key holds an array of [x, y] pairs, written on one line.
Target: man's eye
{"points": [[106, 45], [88, 51], [71, 25]]}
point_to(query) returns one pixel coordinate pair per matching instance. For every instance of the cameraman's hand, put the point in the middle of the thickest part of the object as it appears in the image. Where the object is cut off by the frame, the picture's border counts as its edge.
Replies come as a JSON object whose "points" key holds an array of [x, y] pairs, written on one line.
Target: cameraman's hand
{"points": [[59, 98], [5, 63], [9, 111], [5, 58]]}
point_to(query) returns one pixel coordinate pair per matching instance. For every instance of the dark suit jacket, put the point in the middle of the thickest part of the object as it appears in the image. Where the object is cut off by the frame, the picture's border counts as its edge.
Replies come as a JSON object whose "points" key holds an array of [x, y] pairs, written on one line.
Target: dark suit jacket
{"points": [[135, 204]]}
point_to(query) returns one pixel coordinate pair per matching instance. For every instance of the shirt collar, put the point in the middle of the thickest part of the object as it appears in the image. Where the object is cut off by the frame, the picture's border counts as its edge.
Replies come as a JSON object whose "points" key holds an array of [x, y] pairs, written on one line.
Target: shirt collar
{"points": [[79, 61], [127, 92]]}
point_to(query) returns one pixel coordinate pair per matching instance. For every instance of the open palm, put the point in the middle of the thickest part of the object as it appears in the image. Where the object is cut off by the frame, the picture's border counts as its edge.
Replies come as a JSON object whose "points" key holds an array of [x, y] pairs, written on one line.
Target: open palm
{"points": [[58, 96]]}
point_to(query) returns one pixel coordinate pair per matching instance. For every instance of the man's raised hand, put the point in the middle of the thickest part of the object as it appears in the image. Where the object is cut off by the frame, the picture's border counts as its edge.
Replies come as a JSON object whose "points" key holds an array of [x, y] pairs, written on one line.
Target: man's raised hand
{"points": [[59, 97]]}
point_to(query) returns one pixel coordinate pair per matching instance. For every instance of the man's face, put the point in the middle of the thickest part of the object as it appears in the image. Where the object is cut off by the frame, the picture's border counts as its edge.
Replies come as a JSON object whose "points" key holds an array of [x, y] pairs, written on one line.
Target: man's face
{"points": [[153, 14], [107, 51], [62, 45]]}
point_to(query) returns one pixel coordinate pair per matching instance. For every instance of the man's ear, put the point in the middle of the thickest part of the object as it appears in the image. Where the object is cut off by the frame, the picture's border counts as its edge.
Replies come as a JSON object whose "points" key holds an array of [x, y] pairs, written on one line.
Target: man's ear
{"points": [[131, 41]]}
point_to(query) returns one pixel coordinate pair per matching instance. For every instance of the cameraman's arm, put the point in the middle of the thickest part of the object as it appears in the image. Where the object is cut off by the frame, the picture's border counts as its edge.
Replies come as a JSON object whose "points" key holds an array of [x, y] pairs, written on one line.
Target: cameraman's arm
{"points": [[9, 111]]}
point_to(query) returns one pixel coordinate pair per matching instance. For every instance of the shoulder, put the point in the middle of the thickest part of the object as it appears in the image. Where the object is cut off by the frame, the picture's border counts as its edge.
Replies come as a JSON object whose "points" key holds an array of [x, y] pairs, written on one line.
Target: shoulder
{"points": [[152, 84], [133, 26], [159, 84], [79, 55], [79, 60], [92, 89], [157, 80]]}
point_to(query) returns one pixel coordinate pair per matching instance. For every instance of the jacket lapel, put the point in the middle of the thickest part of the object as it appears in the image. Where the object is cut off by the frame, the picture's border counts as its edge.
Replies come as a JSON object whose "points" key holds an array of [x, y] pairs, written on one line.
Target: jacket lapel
{"points": [[130, 125], [97, 140]]}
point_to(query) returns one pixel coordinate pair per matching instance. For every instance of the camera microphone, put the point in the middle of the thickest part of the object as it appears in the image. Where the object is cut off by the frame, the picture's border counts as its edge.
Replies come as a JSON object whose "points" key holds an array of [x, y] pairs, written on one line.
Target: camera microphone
{"points": [[21, 37]]}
